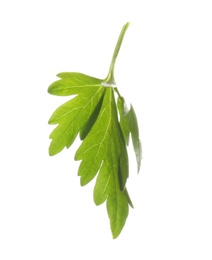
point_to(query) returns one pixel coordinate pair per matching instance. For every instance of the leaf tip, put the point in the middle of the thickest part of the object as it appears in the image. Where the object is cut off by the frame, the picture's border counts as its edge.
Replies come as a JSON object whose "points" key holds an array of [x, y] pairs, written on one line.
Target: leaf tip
{"points": [[115, 236], [115, 233], [49, 89], [51, 153]]}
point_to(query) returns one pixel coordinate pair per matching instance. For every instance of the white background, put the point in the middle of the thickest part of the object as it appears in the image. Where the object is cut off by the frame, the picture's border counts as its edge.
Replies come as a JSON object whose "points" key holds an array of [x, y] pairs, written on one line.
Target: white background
{"points": [[165, 69]]}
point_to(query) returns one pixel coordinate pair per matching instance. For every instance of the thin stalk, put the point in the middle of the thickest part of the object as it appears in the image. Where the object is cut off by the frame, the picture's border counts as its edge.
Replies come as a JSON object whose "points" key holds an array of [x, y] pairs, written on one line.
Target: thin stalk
{"points": [[110, 80]]}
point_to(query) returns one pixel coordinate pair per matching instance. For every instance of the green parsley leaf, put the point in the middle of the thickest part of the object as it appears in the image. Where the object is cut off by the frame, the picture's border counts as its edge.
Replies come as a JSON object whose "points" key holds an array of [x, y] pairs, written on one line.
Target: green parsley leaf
{"points": [[129, 124], [98, 114], [74, 115]]}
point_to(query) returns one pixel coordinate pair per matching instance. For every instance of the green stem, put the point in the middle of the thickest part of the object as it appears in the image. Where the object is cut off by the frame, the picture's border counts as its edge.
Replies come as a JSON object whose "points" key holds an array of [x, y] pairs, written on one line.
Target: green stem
{"points": [[110, 81]]}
